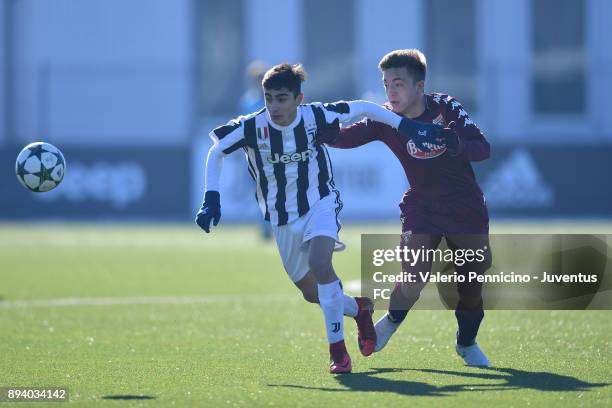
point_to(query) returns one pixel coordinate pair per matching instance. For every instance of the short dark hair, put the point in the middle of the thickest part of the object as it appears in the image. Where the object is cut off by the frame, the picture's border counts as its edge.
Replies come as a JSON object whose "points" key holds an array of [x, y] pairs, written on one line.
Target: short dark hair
{"points": [[285, 76], [413, 60]]}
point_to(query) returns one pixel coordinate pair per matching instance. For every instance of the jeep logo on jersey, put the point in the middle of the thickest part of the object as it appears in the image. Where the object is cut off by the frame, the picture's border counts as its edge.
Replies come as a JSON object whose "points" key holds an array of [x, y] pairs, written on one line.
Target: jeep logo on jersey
{"points": [[414, 151], [291, 157]]}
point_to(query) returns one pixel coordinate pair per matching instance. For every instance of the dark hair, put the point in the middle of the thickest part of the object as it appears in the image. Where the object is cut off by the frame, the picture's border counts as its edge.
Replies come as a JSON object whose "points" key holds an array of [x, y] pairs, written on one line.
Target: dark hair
{"points": [[285, 76], [413, 60]]}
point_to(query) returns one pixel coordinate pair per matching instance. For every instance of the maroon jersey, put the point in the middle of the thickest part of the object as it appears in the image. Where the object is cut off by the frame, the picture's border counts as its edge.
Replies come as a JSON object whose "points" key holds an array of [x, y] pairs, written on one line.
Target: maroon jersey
{"points": [[437, 178]]}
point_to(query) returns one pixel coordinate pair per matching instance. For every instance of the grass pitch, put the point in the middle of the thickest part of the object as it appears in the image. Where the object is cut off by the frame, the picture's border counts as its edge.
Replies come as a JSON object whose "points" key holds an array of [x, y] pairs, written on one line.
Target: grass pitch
{"points": [[168, 316]]}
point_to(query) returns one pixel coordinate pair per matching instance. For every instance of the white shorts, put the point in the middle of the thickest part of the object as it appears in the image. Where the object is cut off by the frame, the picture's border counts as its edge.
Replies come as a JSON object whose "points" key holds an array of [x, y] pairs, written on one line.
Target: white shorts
{"points": [[293, 239]]}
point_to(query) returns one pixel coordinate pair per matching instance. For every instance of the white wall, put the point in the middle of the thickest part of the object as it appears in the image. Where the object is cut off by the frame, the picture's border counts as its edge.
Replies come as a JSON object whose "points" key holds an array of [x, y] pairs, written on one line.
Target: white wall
{"points": [[504, 49], [382, 27], [505, 46], [102, 71], [267, 41]]}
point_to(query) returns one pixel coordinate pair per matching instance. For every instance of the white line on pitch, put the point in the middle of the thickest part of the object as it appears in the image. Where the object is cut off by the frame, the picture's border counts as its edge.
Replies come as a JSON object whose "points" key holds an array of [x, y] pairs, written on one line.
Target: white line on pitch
{"points": [[353, 286], [143, 300]]}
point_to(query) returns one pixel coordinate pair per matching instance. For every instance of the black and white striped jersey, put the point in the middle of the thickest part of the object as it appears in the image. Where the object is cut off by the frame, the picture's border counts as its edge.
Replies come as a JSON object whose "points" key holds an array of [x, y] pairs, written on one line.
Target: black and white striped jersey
{"points": [[291, 170]]}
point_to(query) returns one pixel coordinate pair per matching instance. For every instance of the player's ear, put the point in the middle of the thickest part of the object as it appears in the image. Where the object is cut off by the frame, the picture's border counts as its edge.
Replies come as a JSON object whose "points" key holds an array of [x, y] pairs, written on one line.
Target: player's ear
{"points": [[420, 86], [300, 98]]}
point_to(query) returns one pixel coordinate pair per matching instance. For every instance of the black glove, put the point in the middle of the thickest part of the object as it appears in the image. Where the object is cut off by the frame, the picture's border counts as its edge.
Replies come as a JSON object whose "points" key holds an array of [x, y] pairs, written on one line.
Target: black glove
{"points": [[328, 133], [449, 137], [420, 132], [211, 210]]}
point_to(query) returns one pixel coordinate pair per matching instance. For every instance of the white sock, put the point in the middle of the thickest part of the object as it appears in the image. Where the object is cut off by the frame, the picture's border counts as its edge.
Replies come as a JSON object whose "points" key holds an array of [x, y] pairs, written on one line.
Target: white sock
{"points": [[350, 306], [332, 304], [384, 330]]}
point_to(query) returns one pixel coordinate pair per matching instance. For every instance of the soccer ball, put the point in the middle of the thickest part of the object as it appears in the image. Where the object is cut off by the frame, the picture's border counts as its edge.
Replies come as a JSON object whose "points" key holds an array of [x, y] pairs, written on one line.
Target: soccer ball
{"points": [[40, 167]]}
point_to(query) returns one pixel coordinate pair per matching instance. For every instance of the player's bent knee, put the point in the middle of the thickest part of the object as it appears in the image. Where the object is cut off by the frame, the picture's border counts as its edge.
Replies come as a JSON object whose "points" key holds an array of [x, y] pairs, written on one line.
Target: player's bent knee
{"points": [[319, 265], [311, 297]]}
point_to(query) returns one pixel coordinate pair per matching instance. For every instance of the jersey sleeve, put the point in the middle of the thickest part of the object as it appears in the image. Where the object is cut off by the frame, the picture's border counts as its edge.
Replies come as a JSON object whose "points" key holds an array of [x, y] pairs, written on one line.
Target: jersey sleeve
{"points": [[354, 110], [214, 165], [473, 144], [229, 137], [358, 134], [226, 139]]}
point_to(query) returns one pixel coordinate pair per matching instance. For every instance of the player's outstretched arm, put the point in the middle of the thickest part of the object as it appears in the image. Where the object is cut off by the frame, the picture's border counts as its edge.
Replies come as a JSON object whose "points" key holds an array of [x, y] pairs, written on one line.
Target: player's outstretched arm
{"points": [[419, 132], [355, 135], [211, 207], [226, 139]]}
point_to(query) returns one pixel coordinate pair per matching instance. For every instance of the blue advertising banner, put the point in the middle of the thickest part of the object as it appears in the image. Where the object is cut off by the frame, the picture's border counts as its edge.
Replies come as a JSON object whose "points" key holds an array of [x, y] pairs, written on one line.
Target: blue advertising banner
{"points": [[547, 181], [104, 183]]}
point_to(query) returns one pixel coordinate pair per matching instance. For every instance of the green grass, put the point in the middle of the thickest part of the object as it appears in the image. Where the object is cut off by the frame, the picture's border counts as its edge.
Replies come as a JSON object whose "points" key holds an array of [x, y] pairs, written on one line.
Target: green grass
{"points": [[229, 328]]}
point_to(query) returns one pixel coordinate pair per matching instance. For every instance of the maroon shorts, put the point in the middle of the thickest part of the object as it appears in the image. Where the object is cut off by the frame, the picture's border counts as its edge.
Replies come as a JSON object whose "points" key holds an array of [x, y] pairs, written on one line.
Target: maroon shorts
{"points": [[462, 222], [458, 216]]}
